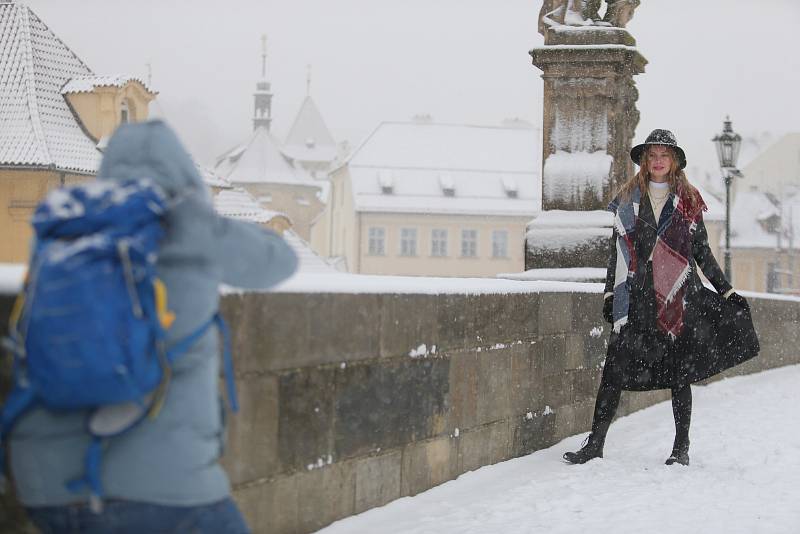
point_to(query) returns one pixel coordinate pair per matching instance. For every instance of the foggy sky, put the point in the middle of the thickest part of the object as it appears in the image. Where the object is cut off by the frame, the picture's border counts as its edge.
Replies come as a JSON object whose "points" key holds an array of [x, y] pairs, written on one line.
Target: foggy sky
{"points": [[461, 61]]}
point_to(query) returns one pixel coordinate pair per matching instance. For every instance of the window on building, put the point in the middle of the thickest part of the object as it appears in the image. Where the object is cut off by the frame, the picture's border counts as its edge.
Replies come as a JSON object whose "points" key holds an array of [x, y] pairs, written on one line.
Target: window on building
{"points": [[124, 112], [469, 243], [377, 240], [500, 244], [408, 241], [438, 242]]}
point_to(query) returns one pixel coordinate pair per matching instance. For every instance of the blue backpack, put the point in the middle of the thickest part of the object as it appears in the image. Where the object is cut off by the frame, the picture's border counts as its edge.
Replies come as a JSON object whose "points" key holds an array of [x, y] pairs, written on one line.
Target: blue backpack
{"points": [[88, 331]]}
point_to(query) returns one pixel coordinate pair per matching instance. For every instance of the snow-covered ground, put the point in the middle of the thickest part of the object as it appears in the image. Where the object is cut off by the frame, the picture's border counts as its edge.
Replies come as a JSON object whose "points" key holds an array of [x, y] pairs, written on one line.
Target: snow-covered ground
{"points": [[744, 476]]}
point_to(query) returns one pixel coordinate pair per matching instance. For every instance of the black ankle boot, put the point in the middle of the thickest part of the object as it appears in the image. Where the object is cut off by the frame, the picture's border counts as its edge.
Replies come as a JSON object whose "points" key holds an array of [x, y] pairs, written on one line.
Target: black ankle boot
{"points": [[593, 448], [680, 454]]}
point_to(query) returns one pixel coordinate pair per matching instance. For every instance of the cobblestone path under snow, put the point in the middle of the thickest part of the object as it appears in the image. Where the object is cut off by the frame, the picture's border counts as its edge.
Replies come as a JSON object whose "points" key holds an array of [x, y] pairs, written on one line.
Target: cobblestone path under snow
{"points": [[744, 476]]}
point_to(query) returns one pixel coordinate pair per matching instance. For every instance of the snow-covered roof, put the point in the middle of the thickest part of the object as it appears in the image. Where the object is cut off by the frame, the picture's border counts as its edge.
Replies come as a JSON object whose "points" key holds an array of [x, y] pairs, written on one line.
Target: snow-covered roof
{"points": [[309, 138], [748, 213], [87, 84], [212, 179], [442, 168], [237, 203], [716, 209], [309, 261], [419, 145], [259, 160], [38, 127]]}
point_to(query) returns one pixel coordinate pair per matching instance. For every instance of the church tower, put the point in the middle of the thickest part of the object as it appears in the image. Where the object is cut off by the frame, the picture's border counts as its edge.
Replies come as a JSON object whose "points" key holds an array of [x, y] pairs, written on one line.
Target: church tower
{"points": [[262, 98]]}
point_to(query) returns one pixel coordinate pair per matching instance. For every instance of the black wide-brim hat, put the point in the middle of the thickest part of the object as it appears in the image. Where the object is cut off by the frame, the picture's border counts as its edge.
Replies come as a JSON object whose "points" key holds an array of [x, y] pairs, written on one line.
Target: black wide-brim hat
{"points": [[659, 137]]}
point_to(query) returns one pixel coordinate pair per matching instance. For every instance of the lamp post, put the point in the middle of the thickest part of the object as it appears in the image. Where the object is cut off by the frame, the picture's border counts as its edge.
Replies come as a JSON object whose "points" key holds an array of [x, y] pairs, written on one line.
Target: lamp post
{"points": [[728, 144]]}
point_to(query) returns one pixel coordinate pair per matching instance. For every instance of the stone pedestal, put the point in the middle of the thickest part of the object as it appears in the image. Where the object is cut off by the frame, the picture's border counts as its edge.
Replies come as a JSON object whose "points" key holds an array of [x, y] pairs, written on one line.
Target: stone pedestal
{"points": [[589, 121]]}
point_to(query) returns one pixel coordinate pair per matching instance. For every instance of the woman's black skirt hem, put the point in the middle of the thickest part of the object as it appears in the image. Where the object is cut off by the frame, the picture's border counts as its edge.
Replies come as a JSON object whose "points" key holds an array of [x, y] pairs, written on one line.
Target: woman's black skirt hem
{"points": [[717, 335]]}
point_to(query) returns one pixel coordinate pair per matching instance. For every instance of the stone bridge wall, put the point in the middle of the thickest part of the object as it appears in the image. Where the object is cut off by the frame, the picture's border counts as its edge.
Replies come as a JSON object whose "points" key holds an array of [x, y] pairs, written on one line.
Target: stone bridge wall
{"points": [[351, 401]]}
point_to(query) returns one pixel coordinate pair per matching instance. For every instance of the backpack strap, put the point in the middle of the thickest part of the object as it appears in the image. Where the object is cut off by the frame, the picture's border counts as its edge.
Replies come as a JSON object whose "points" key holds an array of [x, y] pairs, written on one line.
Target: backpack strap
{"points": [[227, 361], [91, 479], [91, 475]]}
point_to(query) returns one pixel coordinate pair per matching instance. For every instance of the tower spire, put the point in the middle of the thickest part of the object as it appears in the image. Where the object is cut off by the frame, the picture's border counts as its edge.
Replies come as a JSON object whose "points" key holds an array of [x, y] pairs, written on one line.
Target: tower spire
{"points": [[264, 56], [262, 98], [308, 80]]}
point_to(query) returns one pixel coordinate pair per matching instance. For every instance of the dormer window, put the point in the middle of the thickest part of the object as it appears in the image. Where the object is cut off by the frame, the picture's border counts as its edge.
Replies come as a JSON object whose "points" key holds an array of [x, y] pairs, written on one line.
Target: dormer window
{"points": [[310, 142], [386, 181], [510, 187], [448, 185]]}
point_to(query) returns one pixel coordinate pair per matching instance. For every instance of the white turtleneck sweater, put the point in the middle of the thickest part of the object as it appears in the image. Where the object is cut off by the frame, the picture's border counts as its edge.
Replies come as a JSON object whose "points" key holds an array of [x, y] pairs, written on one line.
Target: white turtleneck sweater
{"points": [[658, 194]]}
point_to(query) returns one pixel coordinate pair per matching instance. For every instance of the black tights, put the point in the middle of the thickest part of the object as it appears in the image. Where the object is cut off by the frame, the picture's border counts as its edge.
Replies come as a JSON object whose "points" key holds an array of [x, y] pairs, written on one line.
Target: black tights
{"points": [[608, 400]]}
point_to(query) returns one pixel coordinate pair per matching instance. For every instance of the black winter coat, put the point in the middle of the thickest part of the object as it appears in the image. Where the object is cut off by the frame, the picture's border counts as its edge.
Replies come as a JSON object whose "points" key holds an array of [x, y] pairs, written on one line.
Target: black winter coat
{"points": [[717, 334]]}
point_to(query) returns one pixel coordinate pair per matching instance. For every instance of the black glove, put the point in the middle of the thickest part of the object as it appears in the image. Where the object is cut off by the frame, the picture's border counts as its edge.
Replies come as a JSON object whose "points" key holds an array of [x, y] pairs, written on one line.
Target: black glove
{"points": [[608, 309], [739, 300]]}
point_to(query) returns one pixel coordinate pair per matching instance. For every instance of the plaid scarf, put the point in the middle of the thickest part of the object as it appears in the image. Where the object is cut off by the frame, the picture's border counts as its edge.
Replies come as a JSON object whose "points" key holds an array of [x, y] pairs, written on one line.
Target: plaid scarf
{"points": [[671, 255]]}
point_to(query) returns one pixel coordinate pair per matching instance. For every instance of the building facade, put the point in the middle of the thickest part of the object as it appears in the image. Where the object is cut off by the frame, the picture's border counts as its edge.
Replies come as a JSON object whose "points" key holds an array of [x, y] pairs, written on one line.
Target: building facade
{"points": [[422, 198], [55, 115]]}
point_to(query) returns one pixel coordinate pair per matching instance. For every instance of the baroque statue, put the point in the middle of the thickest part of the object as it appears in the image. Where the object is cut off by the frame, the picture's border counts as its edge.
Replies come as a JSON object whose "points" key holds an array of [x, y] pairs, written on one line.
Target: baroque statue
{"points": [[586, 13]]}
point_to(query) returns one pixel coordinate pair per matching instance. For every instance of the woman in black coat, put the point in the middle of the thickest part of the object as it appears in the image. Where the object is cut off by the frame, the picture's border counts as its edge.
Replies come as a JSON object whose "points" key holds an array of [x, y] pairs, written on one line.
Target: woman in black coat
{"points": [[669, 331]]}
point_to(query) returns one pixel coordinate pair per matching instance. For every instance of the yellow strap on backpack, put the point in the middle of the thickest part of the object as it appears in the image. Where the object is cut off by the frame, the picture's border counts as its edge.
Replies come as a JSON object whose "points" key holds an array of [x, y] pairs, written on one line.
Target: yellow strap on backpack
{"points": [[165, 317]]}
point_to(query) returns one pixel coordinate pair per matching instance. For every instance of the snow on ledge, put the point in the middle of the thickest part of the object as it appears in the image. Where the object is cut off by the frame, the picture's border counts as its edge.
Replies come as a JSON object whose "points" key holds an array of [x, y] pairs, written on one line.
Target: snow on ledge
{"points": [[569, 274], [418, 285], [11, 277]]}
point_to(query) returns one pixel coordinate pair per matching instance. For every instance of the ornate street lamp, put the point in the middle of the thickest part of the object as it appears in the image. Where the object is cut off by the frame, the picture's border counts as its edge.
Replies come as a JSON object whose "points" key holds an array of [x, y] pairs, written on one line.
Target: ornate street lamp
{"points": [[728, 144]]}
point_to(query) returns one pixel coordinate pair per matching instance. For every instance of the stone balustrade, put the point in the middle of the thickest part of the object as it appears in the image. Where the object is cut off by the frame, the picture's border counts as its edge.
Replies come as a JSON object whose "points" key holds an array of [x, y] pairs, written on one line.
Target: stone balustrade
{"points": [[349, 401]]}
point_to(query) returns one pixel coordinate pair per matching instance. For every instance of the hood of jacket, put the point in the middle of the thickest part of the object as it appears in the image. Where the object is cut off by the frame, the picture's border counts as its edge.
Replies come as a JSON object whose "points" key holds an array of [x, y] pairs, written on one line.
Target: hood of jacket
{"points": [[151, 150]]}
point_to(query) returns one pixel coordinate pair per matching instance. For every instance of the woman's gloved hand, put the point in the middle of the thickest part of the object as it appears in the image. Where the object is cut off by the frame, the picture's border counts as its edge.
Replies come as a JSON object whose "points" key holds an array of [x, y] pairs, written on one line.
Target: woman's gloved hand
{"points": [[608, 310], [739, 300]]}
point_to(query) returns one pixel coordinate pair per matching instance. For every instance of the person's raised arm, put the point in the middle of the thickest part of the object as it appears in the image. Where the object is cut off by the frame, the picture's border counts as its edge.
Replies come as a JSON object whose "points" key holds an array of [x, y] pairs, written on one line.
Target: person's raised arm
{"points": [[250, 256]]}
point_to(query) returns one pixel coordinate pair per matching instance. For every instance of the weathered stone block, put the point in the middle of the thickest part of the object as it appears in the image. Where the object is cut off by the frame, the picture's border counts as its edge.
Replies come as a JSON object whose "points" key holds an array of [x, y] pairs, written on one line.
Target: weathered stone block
{"points": [[494, 385], [555, 313], [452, 322], [532, 434], [428, 464], [386, 404], [266, 333], [526, 390], [343, 327], [271, 507], [574, 352], [503, 318], [585, 383], [251, 450], [305, 424], [406, 323], [587, 312], [558, 390], [463, 396], [553, 354], [573, 419], [485, 445], [325, 495], [378, 480]]}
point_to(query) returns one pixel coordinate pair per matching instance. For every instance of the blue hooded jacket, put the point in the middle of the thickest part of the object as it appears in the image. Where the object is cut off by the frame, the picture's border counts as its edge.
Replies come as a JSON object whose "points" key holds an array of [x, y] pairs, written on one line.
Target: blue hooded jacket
{"points": [[172, 459]]}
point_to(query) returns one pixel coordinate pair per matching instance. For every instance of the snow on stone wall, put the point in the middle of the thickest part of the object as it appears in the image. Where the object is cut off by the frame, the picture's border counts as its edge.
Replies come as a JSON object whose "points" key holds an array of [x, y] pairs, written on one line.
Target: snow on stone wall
{"points": [[566, 230], [582, 129], [569, 176]]}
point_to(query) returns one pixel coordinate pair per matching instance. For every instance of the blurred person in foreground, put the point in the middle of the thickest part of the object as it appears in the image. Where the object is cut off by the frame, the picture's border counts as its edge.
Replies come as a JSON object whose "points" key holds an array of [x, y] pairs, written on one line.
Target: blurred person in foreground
{"points": [[669, 330], [163, 475]]}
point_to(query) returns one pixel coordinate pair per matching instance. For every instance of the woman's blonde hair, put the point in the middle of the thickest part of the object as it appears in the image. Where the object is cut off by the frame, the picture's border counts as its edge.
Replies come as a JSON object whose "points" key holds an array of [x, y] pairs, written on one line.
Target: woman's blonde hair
{"points": [[678, 183]]}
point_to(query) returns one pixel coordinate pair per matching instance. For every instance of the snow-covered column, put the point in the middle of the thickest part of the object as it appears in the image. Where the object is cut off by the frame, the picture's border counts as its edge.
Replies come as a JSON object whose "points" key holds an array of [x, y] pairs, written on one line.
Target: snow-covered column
{"points": [[590, 117]]}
